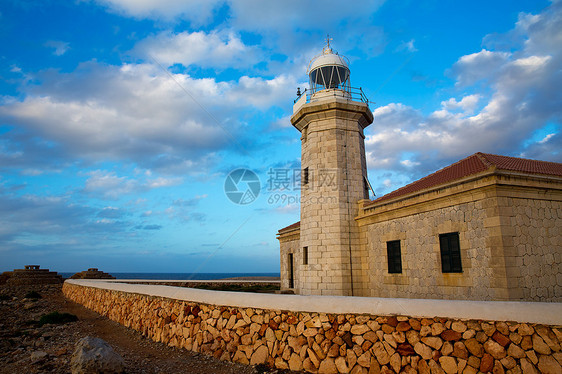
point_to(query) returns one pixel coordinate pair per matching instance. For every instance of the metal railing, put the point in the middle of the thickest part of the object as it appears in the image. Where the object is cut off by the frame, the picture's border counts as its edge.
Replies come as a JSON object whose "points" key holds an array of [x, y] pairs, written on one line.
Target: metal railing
{"points": [[354, 93]]}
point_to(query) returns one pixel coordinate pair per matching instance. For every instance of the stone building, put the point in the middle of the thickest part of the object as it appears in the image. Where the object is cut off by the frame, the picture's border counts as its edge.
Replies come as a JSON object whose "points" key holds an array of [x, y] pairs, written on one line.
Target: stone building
{"points": [[30, 275], [488, 227], [92, 273]]}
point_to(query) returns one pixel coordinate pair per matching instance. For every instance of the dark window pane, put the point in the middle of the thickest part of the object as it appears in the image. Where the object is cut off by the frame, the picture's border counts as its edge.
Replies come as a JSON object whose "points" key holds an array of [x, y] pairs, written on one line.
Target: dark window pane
{"points": [[343, 74], [450, 253], [394, 256], [291, 273]]}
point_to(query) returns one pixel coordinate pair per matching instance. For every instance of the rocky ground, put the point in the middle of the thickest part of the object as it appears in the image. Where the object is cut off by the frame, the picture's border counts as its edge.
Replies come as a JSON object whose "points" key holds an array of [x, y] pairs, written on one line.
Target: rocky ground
{"points": [[26, 347]]}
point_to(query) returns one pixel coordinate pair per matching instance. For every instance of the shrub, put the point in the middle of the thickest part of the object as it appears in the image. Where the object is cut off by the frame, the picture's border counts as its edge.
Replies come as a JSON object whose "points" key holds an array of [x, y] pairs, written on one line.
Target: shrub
{"points": [[32, 295], [57, 318]]}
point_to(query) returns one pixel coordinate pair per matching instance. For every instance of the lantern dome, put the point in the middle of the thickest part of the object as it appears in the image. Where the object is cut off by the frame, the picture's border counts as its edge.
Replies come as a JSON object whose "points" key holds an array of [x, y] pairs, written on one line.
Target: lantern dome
{"points": [[329, 71]]}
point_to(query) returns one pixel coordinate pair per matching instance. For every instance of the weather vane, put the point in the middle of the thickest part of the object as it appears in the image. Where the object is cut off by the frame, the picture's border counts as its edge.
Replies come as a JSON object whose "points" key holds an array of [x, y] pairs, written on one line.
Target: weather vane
{"points": [[327, 49]]}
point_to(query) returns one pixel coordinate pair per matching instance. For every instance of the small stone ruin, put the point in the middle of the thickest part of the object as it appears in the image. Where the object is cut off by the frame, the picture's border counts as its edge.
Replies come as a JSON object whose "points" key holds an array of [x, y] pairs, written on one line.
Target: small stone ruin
{"points": [[92, 273], [31, 275]]}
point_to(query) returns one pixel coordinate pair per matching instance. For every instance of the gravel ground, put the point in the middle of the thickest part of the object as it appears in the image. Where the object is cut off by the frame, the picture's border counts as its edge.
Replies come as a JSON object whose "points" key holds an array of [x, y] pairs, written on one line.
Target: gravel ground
{"points": [[22, 340]]}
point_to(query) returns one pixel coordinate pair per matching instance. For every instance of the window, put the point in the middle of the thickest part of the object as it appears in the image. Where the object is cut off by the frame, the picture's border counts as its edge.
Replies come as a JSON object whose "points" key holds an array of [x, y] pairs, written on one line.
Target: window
{"points": [[394, 257], [305, 255], [305, 176], [291, 272], [450, 253]]}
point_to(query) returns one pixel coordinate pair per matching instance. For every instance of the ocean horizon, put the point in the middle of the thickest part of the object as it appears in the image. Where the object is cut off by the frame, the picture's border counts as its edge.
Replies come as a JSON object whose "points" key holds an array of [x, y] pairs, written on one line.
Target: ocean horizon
{"points": [[181, 276]]}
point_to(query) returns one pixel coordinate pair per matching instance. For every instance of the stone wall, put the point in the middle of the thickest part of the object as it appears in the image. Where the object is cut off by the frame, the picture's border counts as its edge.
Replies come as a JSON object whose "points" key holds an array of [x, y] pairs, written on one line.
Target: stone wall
{"points": [[333, 158], [290, 245], [335, 342], [537, 239], [510, 235], [421, 275]]}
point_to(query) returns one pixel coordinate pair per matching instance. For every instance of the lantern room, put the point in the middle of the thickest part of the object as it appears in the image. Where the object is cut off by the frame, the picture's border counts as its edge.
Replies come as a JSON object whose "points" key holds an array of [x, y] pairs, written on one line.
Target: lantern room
{"points": [[329, 71]]}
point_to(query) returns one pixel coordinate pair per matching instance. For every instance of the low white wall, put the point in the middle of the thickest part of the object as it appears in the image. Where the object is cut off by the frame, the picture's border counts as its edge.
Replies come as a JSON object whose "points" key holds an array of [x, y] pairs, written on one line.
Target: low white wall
{"points": [[226, 281], [529, 312]]}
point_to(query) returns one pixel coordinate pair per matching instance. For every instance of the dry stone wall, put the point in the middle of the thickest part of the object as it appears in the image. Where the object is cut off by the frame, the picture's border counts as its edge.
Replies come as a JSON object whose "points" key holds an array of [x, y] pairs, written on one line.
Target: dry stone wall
{"points": [[332, 343], [537, 225]]}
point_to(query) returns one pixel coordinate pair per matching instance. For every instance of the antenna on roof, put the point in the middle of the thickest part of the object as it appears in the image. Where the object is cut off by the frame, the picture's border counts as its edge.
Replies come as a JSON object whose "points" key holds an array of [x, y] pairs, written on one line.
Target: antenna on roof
{"points": [[327, 49]]}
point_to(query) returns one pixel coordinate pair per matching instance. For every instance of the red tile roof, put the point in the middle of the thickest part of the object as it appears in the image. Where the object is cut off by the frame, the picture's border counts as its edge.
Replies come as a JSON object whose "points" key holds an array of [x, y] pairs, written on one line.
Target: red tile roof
{"points": [[471, 165], [474, 164], [295, 225], [523, 165]]}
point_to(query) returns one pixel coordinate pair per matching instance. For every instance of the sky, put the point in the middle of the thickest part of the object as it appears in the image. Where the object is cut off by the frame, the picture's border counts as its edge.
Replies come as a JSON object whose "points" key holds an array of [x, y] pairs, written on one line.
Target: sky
{"points": [[122, 120]]}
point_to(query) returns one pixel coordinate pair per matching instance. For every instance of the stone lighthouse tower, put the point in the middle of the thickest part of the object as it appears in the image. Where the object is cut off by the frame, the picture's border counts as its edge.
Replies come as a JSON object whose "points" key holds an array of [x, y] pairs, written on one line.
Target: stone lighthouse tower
{"points": [[331, 117]]}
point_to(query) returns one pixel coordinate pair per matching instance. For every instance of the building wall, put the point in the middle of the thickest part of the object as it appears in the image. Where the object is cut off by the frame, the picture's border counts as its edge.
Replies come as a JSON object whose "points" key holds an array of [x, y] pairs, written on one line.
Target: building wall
{"points": [[421, 275], [510, 243], [290, 244], [537, 226], [320, 342]]}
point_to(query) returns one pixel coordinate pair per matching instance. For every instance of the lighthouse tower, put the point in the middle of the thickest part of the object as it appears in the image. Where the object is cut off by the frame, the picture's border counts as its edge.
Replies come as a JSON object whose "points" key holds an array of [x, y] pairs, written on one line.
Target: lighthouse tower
{"points": [[331, 117]]}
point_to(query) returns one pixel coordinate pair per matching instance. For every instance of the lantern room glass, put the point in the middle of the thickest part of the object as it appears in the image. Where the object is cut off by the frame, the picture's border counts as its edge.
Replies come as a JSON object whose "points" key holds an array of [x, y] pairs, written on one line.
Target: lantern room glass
{"points": [[329, 77]]}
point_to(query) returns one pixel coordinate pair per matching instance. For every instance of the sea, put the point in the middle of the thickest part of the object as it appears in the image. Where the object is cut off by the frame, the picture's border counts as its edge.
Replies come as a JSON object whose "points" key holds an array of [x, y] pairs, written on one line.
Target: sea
{"points": [[181, 276]]}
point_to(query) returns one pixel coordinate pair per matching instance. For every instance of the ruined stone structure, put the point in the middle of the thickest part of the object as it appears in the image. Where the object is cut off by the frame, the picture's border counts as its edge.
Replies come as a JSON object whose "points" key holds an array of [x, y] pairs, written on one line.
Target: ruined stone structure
{"points": [[31, 275], [92, 273], [485, 228]]}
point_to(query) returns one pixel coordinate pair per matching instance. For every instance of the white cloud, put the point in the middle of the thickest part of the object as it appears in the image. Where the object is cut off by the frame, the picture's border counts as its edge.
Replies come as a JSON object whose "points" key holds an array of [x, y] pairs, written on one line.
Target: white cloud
{"points": [[546, 138], [476, 66], [524, 95], [60, 47], [291, 26], [261, 92], [407, 46], [138, 113], [467, 103], [293, 14], [32, 219], [107, 185], [409, 163], [198, 12], [281, 123], [164, 182], [532, 63], [295, 26], [215, 49]]}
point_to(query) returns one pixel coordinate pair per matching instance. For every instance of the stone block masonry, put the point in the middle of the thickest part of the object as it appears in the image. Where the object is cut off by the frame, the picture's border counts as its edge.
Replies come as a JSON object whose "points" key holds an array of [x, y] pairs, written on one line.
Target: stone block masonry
{"points": [[334, 340]]}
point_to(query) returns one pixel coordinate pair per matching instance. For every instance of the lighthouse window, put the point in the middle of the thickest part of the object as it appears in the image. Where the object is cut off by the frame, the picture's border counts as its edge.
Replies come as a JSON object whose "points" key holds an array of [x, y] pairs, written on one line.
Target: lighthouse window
{"points": [[305, 255], [305, 176]]}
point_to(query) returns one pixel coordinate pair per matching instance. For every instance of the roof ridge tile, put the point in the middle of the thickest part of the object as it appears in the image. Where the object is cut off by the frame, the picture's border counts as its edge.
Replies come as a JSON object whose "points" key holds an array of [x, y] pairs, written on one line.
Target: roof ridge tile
{"points": [[473, 164]]}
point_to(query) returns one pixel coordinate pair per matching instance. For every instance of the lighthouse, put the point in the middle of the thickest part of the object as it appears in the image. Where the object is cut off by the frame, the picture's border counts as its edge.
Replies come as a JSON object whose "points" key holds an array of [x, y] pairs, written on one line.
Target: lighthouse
{"points": [[331, 117]]}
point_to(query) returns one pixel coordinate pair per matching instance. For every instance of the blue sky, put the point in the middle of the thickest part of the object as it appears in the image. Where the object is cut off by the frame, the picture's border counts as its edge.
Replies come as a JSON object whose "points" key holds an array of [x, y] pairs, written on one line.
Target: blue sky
{"points": [[120, 120]]}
